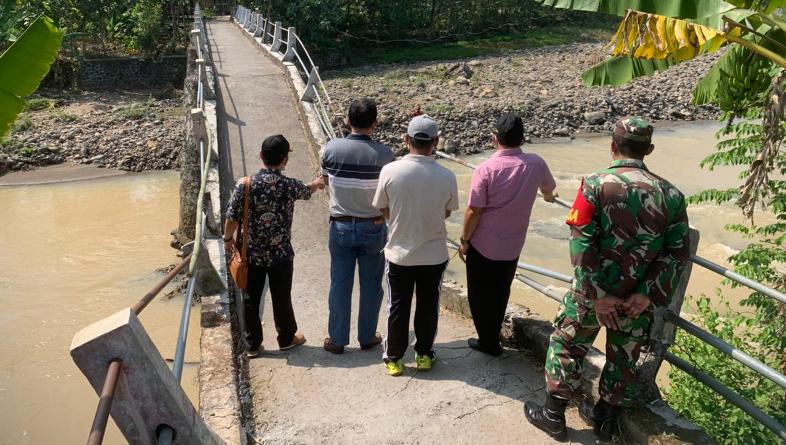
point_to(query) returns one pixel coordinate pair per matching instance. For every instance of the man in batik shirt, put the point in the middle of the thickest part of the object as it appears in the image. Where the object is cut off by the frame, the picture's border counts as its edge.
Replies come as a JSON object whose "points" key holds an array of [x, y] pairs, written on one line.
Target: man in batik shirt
{"points": [[629, 246], [270, 253]]}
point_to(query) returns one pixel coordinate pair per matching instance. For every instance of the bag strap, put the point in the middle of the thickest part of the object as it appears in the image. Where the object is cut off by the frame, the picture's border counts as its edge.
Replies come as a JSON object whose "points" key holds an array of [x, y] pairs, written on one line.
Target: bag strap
{"points": [[246, 199]]}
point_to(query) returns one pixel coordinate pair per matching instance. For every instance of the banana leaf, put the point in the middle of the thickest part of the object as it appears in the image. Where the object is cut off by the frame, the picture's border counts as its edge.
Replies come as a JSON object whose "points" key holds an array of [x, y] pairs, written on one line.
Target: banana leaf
{"points": [[24, 65], [685, 9], [621, 69]]}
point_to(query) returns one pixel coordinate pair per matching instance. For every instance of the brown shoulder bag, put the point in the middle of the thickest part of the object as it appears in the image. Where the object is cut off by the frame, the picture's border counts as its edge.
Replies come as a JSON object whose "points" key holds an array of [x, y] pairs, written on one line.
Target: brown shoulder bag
{"points": [[238, 265]]}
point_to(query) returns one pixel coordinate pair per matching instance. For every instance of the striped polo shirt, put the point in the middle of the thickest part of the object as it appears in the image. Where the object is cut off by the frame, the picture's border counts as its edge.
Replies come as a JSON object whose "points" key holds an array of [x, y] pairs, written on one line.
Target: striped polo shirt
{"points": [[352, 165]]}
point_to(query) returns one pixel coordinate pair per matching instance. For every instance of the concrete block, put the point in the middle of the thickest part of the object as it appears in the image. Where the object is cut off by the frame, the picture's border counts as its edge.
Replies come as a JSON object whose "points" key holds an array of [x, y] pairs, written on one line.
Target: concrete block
{"points": [[147, 394]]}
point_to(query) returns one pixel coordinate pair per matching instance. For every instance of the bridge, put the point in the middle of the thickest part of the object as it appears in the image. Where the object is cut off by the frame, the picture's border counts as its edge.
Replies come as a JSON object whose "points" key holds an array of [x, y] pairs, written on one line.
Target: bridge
{"points": [[254, 77]]}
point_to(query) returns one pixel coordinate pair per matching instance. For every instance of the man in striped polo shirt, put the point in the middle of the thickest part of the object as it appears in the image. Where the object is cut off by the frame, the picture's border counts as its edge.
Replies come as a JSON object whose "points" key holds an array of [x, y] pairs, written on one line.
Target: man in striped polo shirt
{"points": [[358, 233]]}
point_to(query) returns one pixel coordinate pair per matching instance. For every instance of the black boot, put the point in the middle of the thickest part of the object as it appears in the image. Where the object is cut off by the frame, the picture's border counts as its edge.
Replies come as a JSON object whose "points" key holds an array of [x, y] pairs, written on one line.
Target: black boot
{"points": [[602, 417], [550, 418]]}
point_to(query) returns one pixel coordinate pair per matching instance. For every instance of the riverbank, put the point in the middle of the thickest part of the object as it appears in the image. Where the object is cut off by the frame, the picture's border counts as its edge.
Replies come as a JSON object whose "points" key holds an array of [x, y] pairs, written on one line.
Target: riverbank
{"points": [[123, 131], [542, 84]]}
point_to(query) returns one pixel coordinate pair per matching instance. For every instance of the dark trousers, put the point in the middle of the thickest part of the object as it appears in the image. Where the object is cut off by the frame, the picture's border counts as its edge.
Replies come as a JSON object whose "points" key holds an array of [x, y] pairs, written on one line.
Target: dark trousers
{"points": [[488, 289], [280, 276], [403, 281]]}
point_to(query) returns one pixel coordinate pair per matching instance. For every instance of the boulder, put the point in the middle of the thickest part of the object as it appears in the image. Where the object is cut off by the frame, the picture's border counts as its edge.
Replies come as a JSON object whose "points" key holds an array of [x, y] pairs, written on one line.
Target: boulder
{"points": [[595, 117]]}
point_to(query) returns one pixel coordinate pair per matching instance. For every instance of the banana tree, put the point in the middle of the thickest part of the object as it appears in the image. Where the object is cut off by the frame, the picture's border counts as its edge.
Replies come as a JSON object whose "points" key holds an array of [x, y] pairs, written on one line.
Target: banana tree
{"points": [[24, 65]]}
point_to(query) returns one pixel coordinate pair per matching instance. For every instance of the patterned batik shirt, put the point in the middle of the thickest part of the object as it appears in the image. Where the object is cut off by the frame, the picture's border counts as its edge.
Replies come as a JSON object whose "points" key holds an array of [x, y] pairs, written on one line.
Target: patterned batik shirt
{"points": [[629, 233], [270, 207]]}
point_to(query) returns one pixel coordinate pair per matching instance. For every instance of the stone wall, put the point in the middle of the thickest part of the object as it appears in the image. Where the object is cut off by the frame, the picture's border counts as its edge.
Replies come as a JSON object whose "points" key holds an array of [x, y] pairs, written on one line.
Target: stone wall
{"points": [[133, 73]]}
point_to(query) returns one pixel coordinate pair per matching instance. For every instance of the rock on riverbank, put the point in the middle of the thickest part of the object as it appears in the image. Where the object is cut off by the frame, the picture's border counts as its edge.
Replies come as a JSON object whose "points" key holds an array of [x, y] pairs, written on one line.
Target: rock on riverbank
{"points": [[131, 132], [543, 85]]}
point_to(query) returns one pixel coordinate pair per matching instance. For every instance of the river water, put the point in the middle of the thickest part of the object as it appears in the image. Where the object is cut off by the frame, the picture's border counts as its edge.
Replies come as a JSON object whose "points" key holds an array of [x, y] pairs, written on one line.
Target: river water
{"points": [[71, 254], [678, 151]]}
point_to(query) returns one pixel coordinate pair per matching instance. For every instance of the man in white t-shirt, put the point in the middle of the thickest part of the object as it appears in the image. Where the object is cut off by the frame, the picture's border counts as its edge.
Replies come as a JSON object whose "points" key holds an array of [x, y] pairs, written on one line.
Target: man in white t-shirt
{"points": [[415, 195]]}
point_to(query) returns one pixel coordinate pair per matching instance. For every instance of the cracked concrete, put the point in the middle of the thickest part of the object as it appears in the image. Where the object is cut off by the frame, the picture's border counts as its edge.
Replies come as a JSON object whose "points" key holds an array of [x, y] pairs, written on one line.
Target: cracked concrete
{"points": [[308, 395]]}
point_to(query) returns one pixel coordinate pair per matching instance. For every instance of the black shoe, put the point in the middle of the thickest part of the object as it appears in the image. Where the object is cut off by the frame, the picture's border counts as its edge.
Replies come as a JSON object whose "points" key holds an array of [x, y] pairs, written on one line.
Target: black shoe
{"points": [[602, 417], [550, 423], [474, 343]]}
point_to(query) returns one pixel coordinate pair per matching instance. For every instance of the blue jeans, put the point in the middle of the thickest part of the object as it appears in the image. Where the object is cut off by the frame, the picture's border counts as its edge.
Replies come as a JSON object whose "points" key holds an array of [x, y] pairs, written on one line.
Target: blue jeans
{"points": [[362, 243]]}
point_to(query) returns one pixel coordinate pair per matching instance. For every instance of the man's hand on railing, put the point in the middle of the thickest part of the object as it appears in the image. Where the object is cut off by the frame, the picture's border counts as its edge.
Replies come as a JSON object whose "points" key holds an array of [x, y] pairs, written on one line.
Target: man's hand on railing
{"points": [[606, 311], [317, 184], [550, 196], [636, 304]]}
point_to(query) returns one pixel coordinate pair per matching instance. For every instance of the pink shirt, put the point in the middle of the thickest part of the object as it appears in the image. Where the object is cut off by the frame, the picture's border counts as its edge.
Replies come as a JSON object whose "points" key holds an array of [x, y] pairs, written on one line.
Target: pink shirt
{"points": [[505, 187]]}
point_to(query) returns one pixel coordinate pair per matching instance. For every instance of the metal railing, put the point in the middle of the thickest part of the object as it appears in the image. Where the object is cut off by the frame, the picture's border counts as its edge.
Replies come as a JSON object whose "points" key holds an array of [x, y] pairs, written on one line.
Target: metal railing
{"points": [[285, 42], [671, 317], [166, 434]]}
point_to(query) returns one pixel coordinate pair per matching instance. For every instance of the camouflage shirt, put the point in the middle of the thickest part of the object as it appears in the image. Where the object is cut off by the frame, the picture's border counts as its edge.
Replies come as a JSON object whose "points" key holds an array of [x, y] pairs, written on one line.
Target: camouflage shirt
{"points": [[629, 233], [271, 206]]}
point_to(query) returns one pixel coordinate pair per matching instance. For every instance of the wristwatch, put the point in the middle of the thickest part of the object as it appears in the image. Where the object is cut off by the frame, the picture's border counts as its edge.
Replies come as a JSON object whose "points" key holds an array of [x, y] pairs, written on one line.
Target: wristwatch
{"points": [[228, 240], [464, 242]]}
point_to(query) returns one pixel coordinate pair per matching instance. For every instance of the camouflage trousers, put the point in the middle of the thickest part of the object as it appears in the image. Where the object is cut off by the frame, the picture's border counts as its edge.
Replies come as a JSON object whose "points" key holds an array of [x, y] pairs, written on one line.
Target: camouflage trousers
{"points": [[576, 328]]}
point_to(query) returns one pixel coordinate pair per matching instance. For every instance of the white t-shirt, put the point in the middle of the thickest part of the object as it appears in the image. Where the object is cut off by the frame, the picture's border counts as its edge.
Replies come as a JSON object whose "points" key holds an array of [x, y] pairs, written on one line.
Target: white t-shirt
{"points": [[417, 191]]}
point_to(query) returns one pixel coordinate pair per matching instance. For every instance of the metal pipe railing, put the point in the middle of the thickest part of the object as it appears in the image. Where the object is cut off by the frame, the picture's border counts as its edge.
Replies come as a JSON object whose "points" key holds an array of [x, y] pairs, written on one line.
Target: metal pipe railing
{"points": [[442, 154], [727, 349], [98, 428]]}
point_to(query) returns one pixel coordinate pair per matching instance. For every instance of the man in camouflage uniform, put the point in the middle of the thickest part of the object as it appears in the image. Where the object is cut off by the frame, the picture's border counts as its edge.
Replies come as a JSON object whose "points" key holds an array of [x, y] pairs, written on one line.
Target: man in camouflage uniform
{"points": [[629, 247]]}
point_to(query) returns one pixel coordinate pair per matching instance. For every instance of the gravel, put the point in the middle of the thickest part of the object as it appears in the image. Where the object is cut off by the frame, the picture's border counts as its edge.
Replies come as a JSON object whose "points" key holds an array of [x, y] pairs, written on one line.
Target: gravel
{"points": [[543, 85], [128, 132]]}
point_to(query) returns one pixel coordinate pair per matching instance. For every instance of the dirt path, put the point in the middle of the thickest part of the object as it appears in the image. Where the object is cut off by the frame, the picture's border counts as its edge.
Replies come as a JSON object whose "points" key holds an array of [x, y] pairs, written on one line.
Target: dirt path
{"points": [[308, 395]]}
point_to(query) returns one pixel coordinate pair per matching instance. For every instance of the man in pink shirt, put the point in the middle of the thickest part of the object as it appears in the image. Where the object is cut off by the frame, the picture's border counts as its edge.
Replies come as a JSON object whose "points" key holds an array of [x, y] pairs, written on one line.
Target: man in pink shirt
{"points": [[502, 194]]}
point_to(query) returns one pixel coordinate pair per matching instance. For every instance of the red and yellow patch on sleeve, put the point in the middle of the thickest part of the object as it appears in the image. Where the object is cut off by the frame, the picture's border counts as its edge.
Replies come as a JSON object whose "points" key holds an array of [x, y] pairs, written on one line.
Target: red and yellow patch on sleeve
{"points": [[581, 212]]}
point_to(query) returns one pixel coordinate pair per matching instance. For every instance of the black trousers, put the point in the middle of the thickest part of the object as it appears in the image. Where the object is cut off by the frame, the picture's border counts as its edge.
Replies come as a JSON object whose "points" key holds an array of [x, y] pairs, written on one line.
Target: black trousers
{"points": [[280, 276], [488, 289], [403, 281]]}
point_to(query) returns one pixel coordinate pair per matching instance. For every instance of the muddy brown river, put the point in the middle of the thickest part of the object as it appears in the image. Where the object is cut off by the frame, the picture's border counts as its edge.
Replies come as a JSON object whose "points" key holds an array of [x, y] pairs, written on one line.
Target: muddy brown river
{"points": [[71, 254]]}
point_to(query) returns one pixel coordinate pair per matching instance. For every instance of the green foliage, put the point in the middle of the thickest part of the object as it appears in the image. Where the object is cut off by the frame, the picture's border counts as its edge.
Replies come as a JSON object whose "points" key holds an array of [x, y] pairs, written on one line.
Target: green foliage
{"points": [[27, 152], [147, 16], [24, 65], [38, 104], [360, 31], [719, 418], [24, 123], [484, 46], [754, 136], [62, 116], [107, 27], [136, 111]]}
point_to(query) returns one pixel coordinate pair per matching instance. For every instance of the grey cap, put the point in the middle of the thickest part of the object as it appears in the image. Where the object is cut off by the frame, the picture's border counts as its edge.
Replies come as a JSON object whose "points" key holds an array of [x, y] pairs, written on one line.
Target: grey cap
{"points": [[423, 128]]}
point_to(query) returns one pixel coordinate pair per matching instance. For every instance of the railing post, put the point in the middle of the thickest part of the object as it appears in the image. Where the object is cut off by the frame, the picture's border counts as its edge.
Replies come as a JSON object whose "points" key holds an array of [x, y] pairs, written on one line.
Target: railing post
{"points": [[663, 333], [207, 90], [289, 54], [311, 92], [252, 28], [259, 29], [276, 38], [195, 36], [247, 19]]}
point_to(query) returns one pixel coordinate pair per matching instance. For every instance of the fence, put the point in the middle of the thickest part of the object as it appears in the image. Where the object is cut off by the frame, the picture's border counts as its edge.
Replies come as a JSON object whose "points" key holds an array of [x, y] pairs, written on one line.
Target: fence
{"points": [[284, 42], [167, 433], [669, 319]]}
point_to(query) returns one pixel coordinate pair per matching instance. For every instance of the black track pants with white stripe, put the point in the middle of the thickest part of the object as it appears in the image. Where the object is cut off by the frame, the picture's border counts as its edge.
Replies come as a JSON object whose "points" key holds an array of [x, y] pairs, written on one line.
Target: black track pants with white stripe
{"points": [[425, 282]]}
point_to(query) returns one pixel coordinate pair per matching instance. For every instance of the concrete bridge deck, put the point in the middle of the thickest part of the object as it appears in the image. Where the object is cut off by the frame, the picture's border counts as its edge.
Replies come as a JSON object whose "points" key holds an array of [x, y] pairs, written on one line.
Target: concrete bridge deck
{"points": [[308, 395]]}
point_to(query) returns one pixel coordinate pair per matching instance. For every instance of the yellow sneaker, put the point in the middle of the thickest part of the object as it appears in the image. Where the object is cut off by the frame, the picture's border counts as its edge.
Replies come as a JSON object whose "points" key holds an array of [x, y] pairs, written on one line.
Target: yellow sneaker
{"points": [[395, 368], [423, 362]]}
